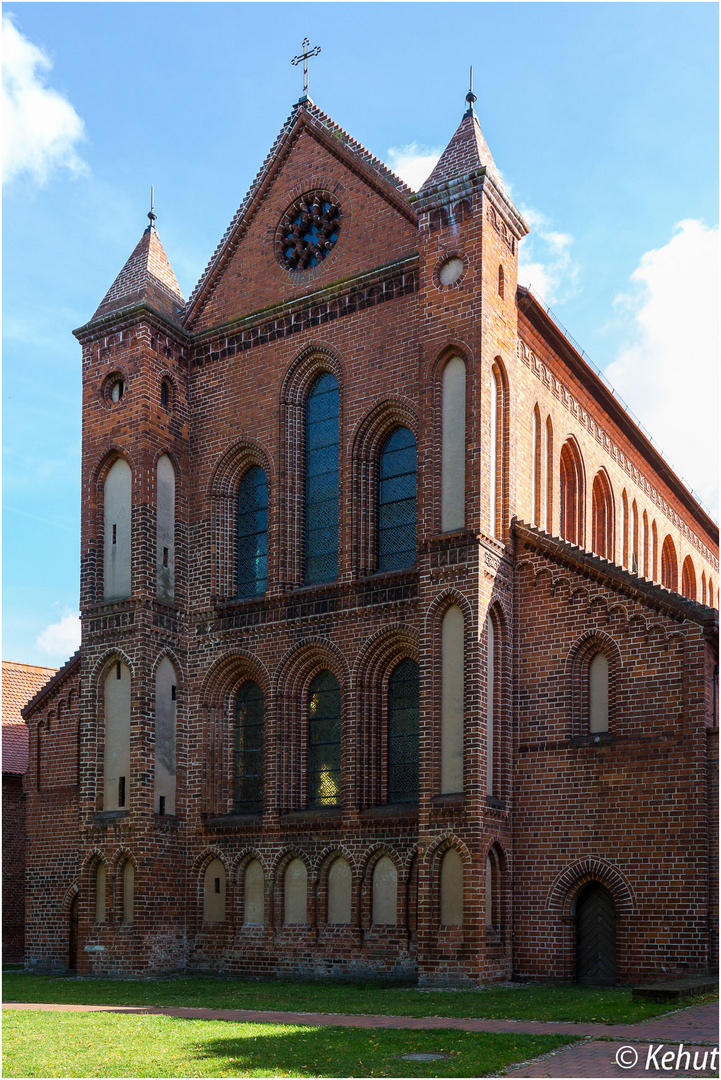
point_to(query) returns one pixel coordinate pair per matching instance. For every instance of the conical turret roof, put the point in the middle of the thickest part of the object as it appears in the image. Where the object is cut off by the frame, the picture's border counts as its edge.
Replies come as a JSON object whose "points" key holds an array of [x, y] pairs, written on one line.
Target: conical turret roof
{"points": [[146, 277], [466, 152]]}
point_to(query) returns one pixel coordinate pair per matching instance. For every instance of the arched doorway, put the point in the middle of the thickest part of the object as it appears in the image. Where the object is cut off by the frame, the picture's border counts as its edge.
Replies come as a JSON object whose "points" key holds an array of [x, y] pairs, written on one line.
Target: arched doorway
{"points": [[595, 936], [73, 935]]}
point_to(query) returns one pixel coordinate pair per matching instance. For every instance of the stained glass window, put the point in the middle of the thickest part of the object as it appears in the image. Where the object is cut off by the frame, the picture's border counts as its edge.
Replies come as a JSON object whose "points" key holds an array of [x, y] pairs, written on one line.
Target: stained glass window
{"points": [[253, 533], [324, 741], [403, 707], [397, 501], [249, 749], [321, 480]]}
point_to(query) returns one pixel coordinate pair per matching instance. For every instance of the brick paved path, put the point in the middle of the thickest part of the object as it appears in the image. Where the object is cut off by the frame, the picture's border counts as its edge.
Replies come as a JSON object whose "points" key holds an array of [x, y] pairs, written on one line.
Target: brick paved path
{"points": [[696, 1027]]}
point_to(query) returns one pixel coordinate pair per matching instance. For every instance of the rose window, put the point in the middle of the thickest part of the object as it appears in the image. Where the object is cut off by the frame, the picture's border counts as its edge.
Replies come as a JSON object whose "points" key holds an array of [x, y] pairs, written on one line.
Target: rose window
{"points": [[308, 231]]}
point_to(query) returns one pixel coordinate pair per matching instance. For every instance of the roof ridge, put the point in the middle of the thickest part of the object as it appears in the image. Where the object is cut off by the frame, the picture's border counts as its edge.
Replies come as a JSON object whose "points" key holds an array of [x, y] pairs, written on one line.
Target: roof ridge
{"points": [[368, 155]]}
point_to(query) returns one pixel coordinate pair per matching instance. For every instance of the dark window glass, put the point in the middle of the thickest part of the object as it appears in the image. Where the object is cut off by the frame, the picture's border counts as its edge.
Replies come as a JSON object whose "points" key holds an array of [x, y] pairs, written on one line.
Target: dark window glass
{"points": [[324, 741], [249, 748], [253, 533], [321, 480], [397, 501], [403, 733]]}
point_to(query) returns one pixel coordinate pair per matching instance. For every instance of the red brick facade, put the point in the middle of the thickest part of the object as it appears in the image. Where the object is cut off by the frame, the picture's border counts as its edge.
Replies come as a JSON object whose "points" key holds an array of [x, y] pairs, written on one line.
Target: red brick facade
{"points": [[412, 281]]}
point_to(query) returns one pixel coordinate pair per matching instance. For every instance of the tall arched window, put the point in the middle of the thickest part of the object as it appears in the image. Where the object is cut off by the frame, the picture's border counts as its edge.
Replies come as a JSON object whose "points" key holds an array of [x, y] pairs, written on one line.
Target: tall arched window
{"points": [[397, 501], [453, 443], [253, 533], [654, 546], [623, 531], [452, 701], [166, 682], [598, 693], [548, 499], [403, 733], [493, 731], [688, 579], [571, 493], [116, 774], [669, 565], [498, 453], [536, 469], [634, 538], [165, 530], [321, 479], [451, 913], [602, 510], [339, 892], [117, 507], [643, 552], [324, 733], [249, 748]]}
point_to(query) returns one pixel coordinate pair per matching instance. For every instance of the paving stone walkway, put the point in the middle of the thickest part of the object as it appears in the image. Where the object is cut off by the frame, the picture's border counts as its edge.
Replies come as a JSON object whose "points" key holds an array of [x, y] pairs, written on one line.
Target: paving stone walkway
{"points": [[603, 1045]]}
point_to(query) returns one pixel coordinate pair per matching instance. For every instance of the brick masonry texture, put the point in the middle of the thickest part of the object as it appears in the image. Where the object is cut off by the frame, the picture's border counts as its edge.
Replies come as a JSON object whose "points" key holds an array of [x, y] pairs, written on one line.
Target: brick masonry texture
{"points": [[631, 809]]}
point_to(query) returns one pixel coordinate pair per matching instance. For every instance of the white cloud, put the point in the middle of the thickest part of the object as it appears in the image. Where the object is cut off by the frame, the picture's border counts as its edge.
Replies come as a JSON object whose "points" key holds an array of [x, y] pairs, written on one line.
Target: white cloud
{"points": [[40, 127], [545, 262], [414, 163], [61, 639], [668, 371]]}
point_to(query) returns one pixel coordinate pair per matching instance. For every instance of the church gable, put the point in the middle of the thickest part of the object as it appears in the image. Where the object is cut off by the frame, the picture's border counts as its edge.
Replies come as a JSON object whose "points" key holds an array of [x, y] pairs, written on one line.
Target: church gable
{"points": [[322, 209]]}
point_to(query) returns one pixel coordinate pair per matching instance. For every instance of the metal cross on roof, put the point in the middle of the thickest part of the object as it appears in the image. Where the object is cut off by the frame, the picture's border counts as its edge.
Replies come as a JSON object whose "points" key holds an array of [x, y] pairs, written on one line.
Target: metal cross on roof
{"points": [[305, 56]]}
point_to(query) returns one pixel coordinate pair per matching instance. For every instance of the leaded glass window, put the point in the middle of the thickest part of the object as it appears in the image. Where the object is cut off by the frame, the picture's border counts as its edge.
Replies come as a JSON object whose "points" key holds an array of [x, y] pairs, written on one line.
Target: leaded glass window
{"points": [[249, 749], [253, 533], [403, 707], [321, 480], [324, 741], [397, 501]]}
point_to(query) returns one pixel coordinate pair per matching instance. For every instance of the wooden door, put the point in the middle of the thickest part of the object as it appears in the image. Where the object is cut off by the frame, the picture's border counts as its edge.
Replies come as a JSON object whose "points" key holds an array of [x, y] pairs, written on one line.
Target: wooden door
{"points": [[596, 936]]}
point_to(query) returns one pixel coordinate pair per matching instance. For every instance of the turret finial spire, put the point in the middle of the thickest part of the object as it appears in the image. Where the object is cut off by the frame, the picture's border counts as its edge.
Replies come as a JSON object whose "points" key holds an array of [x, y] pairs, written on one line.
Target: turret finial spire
{"points": [[152, 215], [470, 97]]}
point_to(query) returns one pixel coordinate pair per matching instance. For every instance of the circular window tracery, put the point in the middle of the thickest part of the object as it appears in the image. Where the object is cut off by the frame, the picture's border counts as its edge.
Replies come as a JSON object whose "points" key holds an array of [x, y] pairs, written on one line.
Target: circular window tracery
{"points": [[308, 230]]}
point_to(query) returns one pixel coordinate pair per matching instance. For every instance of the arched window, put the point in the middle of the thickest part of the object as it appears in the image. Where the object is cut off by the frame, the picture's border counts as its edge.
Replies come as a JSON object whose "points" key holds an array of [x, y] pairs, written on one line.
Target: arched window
{"points": [[339, 892], [710, 593], [324, 732], [536, 470], [397, 501], [117, 500], [295, 884], [501, 283], [100, 881], [490, 868], [688, 579], [548, 501], [669, 565], [254, 906], [322, 415], [451, 913], [624, 529], [634, 538], [452, 701], [571, 493], [166, 682], [249, 748], [116, 777], [165, 530], [385, 892], [643, 559], [403, 706], [654, 568], [128, 891], [598, 693], [602, 509], [214, 892], [253, 533], [703, 587], [453, 443], [498, 453]]}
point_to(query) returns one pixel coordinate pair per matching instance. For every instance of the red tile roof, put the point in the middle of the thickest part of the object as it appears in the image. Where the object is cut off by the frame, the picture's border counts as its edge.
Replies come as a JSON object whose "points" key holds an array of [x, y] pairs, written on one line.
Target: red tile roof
{"points": [[20, 682]]}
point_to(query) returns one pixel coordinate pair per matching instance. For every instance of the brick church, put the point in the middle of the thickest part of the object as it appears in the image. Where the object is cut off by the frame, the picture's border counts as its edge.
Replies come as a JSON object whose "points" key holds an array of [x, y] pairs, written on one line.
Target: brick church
{"points": [[399, 638]]}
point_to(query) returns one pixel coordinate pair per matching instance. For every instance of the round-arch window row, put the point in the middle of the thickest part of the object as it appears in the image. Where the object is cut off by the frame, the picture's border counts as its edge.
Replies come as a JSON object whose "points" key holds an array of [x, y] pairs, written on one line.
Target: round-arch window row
{"points": [[308, 230]]}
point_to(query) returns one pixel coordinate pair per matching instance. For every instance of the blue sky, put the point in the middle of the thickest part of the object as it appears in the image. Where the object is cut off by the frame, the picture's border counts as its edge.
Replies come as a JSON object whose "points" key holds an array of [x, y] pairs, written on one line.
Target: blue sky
{"points": [[603, 119]]}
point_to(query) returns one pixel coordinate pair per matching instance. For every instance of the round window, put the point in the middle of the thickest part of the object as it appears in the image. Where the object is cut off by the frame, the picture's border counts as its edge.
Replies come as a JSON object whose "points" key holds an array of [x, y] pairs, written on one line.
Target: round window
{"points": [[114, 388], [308, 230], [451, 270]]}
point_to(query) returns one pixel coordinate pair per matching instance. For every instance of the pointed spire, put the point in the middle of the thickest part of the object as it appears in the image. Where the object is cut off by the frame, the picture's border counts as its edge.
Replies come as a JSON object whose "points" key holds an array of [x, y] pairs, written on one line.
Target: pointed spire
{"points": [[466, 152], [147, 277]]}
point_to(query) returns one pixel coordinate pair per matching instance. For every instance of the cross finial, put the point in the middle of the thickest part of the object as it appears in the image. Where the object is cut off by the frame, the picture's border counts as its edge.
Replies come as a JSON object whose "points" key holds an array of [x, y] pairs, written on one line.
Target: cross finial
{"points": [[152, 215], [305, 56], [470, 96]]}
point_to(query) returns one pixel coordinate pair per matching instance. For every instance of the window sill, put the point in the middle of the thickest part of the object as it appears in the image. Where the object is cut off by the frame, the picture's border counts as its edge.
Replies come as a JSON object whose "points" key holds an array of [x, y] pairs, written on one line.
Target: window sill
{"points": [[495, 803], [232, 821], [599, 738], [108, 817], [408, 811], [456, 798], [311, 814]]}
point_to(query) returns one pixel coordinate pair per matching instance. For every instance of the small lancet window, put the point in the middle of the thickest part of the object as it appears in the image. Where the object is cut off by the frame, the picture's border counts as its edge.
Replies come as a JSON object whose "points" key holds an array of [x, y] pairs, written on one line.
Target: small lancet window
{"points": [[501, 282], [253, 533], [598, 694]]}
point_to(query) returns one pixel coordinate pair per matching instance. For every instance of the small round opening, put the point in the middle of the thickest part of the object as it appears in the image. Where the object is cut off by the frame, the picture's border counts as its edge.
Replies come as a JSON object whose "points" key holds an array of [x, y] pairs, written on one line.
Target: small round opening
{"points": [[114, 388], [450, 270]]}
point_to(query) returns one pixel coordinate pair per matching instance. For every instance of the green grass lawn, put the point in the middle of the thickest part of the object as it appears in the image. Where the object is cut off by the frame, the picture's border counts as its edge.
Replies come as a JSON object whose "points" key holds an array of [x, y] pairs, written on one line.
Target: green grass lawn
{"points": [[105, 1044], [529, 1001]]}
